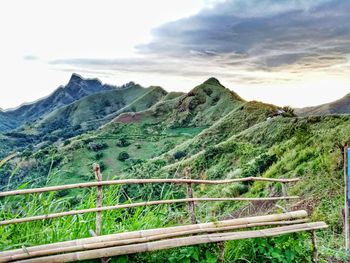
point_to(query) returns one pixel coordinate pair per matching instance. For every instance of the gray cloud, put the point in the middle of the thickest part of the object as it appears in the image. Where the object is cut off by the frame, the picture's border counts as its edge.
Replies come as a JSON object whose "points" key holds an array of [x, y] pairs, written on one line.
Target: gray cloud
{"points": [[268, 35], [237, 37], [30, 57]]}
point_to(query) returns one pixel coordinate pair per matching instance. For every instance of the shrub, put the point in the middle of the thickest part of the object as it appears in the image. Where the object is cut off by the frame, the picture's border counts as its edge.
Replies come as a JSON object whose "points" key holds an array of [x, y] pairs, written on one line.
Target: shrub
{"points": [[123, 142], [98, 155], [123, 156], [97, 146], [179, 155]]}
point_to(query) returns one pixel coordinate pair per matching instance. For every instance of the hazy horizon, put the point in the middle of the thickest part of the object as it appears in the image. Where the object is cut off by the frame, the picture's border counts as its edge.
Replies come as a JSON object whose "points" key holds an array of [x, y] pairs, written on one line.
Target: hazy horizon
{"points": [[51, 92]]}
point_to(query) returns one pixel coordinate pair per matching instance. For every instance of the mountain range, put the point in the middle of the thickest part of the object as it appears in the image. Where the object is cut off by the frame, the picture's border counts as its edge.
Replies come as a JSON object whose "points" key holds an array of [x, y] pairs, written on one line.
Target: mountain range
{"points": [[76, 89]]}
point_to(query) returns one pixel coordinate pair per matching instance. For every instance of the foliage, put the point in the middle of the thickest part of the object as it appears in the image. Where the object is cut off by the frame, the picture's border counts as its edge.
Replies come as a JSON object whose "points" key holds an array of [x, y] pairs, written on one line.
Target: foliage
{"points": [[97, 146], [123, 142], [123, 156], [179, 155]]}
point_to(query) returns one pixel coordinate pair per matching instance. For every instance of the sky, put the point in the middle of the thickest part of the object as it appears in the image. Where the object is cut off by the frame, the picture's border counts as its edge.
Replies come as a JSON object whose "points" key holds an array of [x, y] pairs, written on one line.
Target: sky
{"points": [[286, 52]]}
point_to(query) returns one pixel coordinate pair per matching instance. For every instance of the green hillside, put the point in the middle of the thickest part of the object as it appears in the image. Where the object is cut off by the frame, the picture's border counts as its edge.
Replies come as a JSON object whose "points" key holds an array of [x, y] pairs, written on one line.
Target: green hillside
{"points": [[210, 130], [341, 106], [76, 88], [80, 116]]}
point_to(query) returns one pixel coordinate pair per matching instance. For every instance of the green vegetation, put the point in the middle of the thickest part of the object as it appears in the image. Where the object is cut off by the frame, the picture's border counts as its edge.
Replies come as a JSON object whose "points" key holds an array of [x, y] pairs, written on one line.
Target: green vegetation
{"points": [[213, 133]]}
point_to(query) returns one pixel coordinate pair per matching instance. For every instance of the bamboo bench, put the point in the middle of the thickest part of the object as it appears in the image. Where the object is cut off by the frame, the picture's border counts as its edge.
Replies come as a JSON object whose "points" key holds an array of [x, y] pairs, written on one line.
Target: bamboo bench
{"points": [[162, 238]]}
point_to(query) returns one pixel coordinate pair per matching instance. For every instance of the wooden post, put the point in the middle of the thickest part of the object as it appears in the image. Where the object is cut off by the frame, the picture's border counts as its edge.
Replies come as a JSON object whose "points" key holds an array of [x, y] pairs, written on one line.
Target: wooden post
{"points": [[191, 208], [99, 203], [314, 247], [285, 194], [99, 198], [221, 246], [191, 204], [346, 197]]}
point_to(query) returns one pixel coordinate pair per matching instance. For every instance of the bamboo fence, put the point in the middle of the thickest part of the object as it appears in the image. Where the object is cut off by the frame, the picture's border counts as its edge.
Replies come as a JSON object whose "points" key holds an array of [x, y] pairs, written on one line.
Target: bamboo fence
{"points": [[99, 246], [295, 217], [175, 242]]}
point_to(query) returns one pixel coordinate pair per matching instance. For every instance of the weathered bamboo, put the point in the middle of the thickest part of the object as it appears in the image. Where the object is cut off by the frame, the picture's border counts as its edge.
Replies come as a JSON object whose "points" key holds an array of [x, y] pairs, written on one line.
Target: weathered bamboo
{"points": [[314, 247], [159, 202], [99, 204], [159, 231], [221, 246], [129, 241], [177, 242], [99, 199], [141, 181], [191, 205], [346, 200]]}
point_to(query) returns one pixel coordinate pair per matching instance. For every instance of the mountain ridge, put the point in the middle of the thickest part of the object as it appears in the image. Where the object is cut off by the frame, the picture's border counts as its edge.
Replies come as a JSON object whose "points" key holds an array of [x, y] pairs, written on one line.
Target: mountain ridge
{"points": [[75, 89], [340, 106]]}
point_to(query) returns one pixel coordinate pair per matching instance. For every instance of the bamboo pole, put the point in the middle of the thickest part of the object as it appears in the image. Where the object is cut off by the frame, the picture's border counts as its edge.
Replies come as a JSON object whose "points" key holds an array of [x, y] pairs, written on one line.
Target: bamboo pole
{"points": [[122, 242], [99, 198], [346, 201], [99, 203], [158, 231], [191, 205], [140, 181], [221, 246], [108, 208], [177, 242], [314, 247]]}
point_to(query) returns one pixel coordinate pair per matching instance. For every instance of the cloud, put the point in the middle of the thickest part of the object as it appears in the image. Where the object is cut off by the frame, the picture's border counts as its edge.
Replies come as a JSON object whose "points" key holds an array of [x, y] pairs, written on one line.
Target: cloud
{"points": [[244, 40], [30, 57], [267, 33]]}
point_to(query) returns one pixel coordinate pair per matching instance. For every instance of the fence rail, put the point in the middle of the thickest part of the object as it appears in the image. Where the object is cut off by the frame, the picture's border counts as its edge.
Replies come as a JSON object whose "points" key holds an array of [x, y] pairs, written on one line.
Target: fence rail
{"points": [[99, 246], [143, 181], [99, 197]]}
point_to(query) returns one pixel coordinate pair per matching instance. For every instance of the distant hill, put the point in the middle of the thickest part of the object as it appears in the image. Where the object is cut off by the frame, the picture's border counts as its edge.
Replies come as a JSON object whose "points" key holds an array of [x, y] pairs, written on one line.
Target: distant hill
{"points": [[341, 106], [202, 106], [76, 89], [94, 110]]}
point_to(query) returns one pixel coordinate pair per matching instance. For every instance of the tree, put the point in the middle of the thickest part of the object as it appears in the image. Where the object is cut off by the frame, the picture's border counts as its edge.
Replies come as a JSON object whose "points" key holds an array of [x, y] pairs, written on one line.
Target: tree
{"points": [[123, 156]]}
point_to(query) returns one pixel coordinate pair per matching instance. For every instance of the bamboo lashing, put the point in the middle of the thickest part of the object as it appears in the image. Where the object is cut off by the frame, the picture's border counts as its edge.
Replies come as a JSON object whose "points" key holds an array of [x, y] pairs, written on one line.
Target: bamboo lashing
{"points": [[294, 215], [140, 181], [177, 242], [120, 242], [159, 202]]}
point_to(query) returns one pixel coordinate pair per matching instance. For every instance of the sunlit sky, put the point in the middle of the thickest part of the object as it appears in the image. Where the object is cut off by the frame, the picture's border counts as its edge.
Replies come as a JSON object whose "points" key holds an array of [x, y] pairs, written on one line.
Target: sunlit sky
{"points": [[286, 52]]}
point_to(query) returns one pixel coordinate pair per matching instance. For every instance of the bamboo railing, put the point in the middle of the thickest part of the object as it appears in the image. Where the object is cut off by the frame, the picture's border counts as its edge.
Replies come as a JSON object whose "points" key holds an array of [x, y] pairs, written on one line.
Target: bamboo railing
{"points": [[135, 237], [99, 246], [143, 181], [99, 198]]}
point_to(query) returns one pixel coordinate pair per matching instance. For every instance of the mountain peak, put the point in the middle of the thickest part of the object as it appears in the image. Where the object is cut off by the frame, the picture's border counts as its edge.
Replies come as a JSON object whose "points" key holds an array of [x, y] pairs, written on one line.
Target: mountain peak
{"points": [[75, 78], [212, 81]]}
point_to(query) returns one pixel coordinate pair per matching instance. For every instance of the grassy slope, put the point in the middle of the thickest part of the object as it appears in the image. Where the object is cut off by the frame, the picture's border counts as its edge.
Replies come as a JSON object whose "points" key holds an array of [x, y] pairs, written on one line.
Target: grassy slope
{"points": [[341, 106], [85, 114], [241, 142]]}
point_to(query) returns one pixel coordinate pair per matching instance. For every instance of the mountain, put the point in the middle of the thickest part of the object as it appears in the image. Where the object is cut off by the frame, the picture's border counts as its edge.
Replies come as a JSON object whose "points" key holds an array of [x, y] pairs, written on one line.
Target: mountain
{"points": [[202, 106], [94, 110], [76, 89], [341, 106]]}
